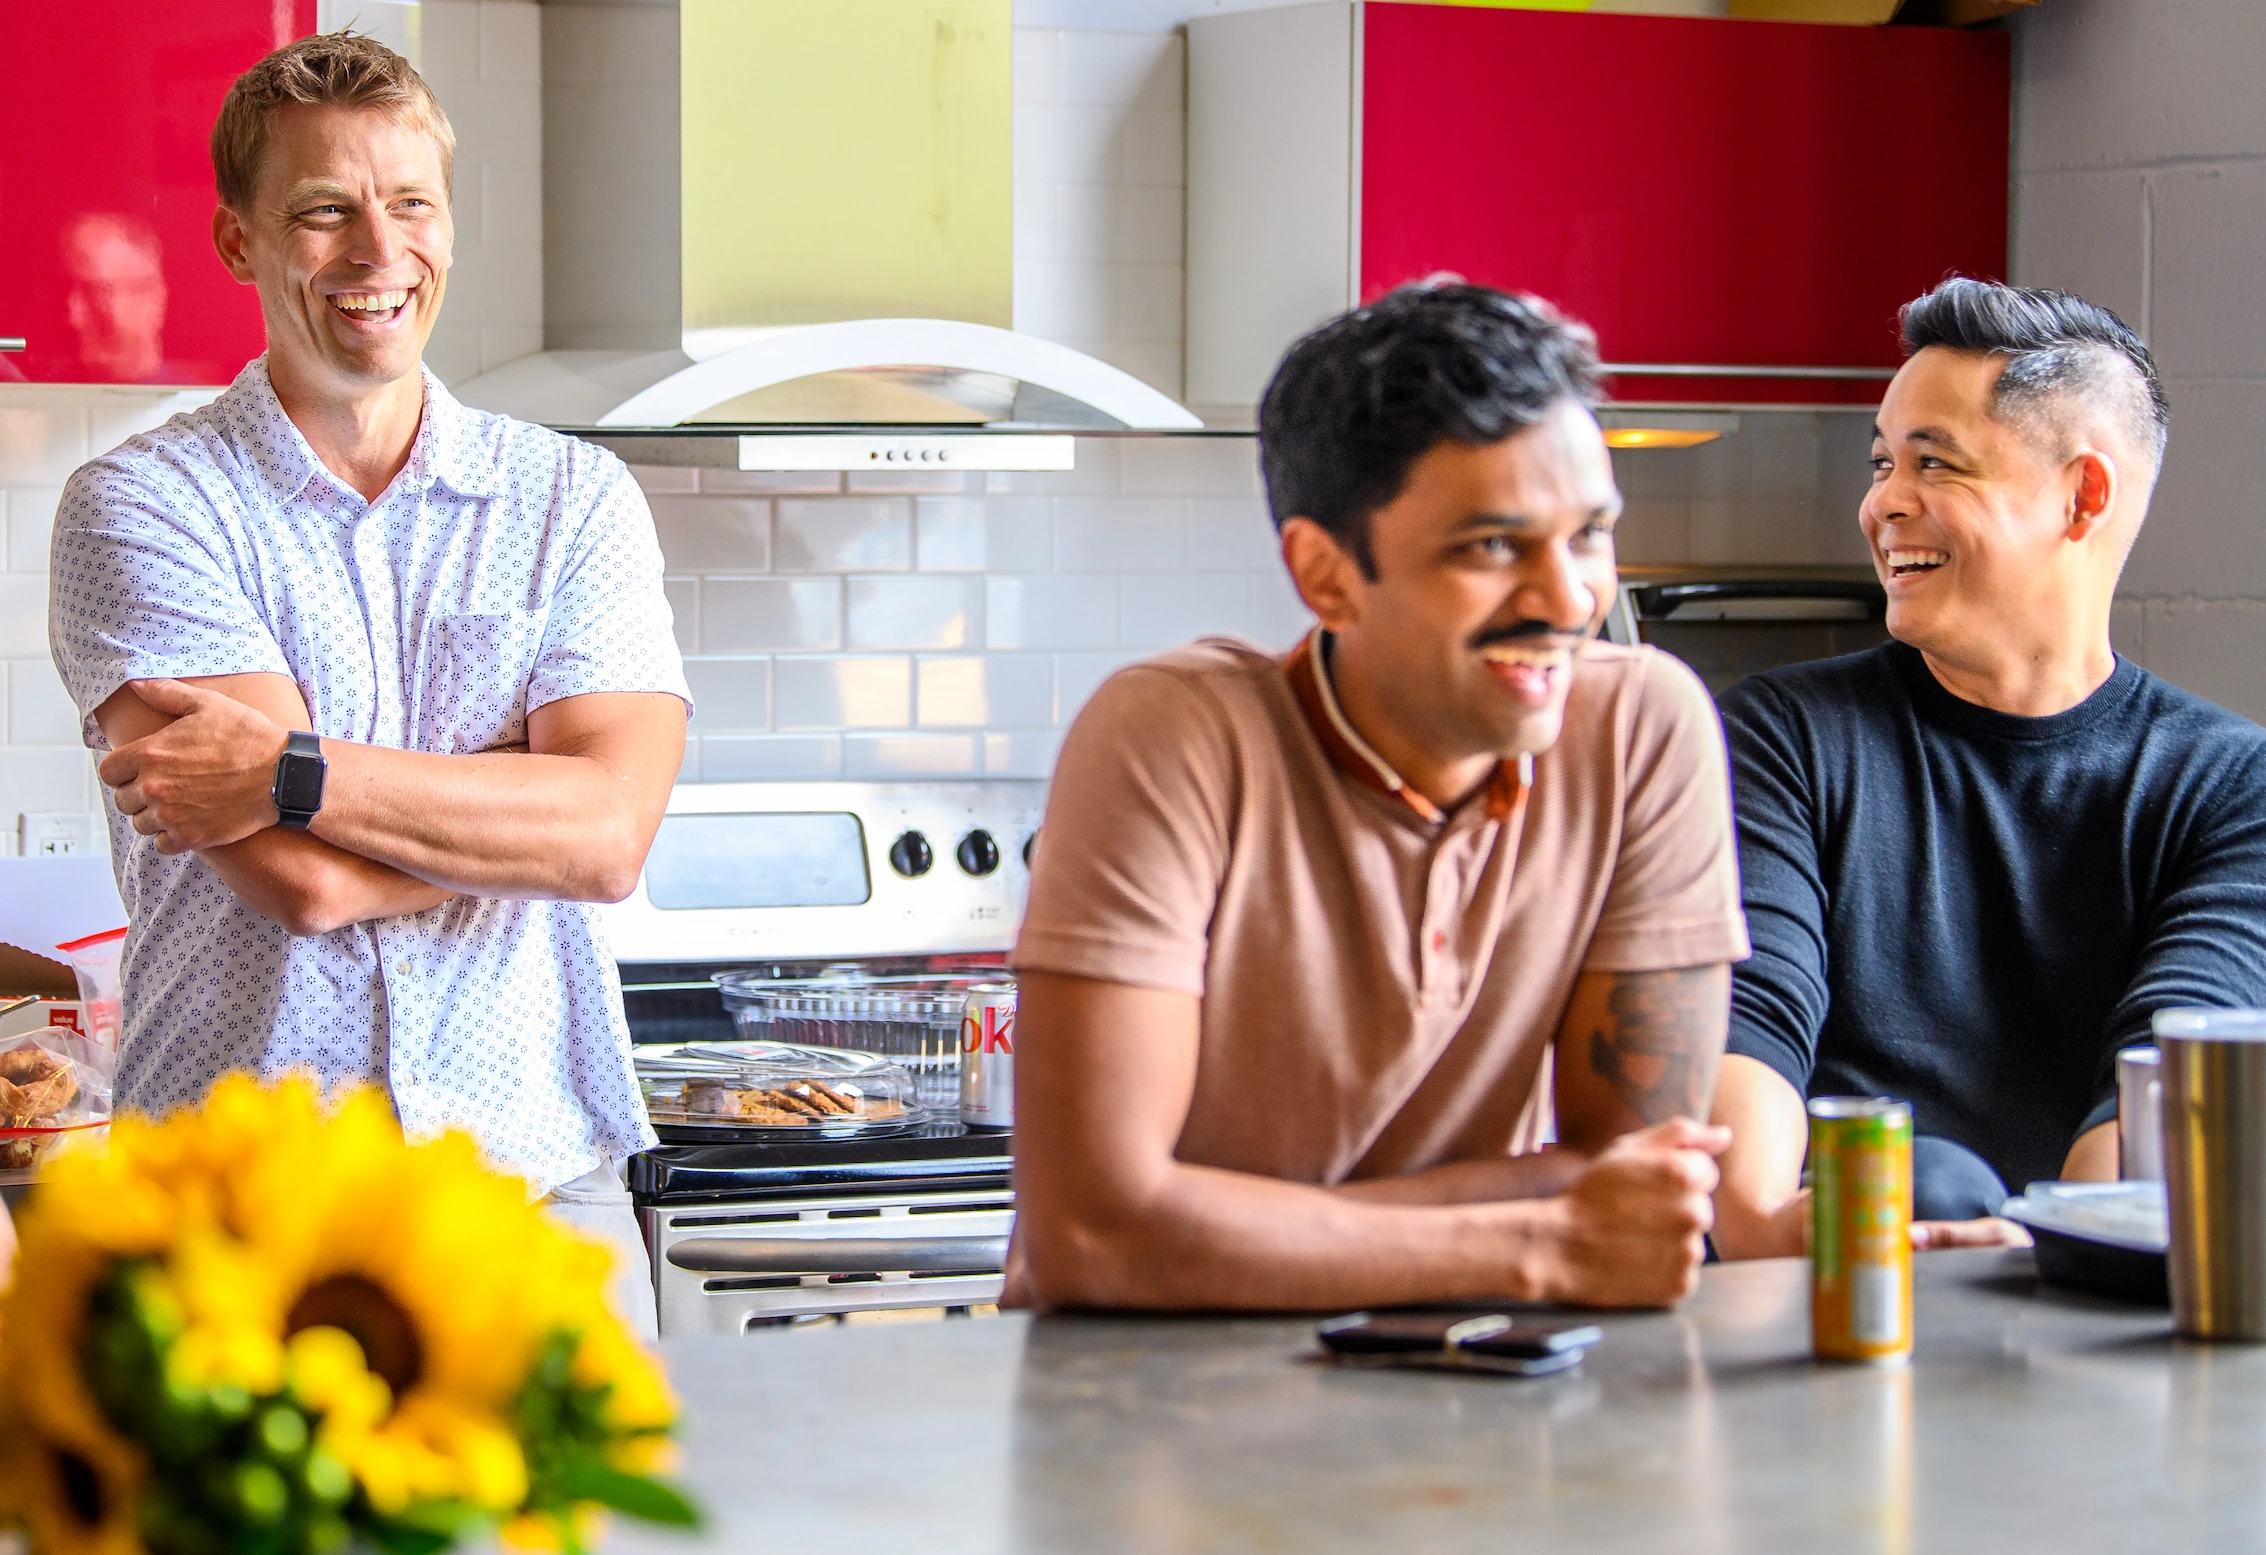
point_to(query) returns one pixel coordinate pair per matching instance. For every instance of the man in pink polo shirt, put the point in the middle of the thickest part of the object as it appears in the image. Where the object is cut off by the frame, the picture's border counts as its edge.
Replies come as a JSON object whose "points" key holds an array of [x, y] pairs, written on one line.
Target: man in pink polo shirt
{"points": [[1323, 951]]}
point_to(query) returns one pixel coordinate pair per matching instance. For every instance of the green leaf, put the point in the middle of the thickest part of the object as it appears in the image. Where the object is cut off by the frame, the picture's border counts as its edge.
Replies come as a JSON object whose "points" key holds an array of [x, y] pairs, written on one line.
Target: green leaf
{"points": [[632, 1495], [401, 1539], [428, 1527]]}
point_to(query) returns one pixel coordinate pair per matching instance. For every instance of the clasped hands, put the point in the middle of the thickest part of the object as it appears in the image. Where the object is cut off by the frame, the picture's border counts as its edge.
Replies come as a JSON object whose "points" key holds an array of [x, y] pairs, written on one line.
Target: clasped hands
{"points": [[203, 781]]}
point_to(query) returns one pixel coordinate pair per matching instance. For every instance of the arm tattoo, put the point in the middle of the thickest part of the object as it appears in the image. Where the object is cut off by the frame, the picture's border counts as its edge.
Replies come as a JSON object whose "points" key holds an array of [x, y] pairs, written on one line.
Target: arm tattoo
{"points": [[1661, 1040]]}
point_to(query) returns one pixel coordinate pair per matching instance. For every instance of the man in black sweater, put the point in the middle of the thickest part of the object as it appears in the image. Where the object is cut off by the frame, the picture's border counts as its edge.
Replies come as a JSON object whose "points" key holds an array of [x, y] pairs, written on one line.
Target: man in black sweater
{"points": [[1976, 859]]}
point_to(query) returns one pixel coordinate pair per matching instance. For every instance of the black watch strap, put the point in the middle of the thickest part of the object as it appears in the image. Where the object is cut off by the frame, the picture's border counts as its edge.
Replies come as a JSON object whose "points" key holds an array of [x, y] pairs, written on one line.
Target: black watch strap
{"points": [[299, 773]]}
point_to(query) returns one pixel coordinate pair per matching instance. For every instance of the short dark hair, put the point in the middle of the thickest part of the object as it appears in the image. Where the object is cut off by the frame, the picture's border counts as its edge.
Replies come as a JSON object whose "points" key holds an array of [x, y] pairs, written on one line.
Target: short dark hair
{"points": [[1361, 399], [2057, 345]]}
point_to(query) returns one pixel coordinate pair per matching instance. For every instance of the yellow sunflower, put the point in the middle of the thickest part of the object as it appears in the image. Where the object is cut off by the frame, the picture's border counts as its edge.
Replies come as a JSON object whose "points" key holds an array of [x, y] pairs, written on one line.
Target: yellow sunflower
{"points": [[400, 1293]]}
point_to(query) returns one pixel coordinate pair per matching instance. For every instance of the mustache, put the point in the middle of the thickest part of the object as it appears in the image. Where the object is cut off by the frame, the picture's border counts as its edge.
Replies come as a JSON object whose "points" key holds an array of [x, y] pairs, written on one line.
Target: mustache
{"points": [[1525, 631]]}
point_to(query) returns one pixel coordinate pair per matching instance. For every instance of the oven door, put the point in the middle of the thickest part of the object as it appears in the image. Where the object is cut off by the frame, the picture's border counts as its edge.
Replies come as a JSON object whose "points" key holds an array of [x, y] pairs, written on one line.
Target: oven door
{"points": [[1729, 623]]}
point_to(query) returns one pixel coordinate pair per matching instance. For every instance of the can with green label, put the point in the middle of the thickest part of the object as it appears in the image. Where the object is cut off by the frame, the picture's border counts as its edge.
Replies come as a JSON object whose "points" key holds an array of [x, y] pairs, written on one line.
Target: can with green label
{"points": [[1861, 1229]]}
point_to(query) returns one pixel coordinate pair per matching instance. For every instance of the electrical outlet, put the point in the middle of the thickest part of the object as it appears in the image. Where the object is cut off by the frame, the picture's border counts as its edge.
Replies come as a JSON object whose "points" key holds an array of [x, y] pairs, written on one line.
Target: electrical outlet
{"points": [[58, 834]]}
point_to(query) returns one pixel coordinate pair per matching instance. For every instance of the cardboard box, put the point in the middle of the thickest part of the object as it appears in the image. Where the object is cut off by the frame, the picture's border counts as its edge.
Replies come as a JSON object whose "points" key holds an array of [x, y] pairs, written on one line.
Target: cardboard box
{"points": [[53, 986]]}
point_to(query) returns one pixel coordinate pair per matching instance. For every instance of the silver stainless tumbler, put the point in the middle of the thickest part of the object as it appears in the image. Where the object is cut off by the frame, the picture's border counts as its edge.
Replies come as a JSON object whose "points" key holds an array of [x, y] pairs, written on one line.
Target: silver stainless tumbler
{"points": [[2214, 1110], [2140, 1116]]}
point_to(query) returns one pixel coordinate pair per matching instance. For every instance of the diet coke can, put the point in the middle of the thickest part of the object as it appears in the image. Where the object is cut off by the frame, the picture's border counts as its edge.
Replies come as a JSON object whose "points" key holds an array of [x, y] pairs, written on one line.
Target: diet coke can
{"points": [[987, 1057]]}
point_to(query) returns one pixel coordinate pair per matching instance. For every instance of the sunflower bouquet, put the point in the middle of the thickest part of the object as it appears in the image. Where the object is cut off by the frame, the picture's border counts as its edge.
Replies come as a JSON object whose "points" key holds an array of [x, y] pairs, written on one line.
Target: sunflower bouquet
{"points": [[272, 1326]]}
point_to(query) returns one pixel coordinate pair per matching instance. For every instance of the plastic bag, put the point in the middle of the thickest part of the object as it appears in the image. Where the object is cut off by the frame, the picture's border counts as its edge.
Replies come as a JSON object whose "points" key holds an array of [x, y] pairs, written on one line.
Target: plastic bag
{"points": [[54, 1085], [101, 990]]}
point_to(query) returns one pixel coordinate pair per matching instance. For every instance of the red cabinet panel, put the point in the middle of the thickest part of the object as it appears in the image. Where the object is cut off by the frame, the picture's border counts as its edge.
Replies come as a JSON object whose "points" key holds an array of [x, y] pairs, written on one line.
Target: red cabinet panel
{"points": [[1701, 191], [106, 262]]}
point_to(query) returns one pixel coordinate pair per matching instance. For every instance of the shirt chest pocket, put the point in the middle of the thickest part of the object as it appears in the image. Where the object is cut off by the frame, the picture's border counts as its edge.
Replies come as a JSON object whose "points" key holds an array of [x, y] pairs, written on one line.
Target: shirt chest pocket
{"points": [[472, 680]]}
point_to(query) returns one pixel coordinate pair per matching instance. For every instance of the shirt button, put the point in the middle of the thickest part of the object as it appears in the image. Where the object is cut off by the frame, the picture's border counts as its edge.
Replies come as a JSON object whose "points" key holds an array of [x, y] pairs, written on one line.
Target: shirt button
{"points": [[402, 969]]}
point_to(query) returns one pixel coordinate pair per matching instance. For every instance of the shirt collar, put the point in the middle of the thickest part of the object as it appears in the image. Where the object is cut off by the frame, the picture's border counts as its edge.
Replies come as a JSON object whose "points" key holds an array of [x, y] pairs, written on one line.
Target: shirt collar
{"points": [[1309, 671], [446, 448]]}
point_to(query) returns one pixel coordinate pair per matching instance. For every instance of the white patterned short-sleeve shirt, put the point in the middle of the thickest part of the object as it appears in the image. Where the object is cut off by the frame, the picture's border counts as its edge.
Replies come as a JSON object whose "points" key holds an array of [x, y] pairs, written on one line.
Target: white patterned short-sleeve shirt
{"points": [[506, 567]]}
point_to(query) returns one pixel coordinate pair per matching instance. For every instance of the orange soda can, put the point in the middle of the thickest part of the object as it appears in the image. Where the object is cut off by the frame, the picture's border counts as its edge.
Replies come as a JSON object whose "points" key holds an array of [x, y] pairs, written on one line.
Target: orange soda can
{"points": [[1861, 1230]]}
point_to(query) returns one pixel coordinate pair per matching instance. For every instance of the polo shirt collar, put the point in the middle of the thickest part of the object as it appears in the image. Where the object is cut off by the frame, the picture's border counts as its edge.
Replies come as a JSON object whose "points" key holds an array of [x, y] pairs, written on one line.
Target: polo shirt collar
{"points": [[1309, 671], [445, 449]]}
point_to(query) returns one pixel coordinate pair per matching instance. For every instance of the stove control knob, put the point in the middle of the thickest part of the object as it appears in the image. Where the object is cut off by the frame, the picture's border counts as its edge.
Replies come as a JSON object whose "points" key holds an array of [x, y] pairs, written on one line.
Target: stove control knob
{"points": [[978, 854], [911, 856], [1030, 846]]}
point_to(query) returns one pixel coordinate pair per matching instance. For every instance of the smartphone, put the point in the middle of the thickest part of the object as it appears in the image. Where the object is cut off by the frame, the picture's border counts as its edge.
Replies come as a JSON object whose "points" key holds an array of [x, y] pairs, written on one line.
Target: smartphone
{"points": [[1457, 1341]]}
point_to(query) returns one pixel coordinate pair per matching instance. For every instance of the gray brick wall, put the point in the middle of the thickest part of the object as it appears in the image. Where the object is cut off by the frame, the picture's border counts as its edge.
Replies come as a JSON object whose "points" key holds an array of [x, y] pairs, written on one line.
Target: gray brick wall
{"points": [[2140, 181]]}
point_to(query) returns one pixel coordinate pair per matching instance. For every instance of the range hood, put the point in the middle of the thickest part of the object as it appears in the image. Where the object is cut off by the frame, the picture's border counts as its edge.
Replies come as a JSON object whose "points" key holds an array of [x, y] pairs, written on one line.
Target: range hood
{"points": [[770, 221]]}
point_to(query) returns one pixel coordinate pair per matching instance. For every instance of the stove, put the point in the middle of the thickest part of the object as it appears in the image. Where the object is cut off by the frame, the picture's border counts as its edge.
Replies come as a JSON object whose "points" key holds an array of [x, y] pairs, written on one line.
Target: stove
{"points": [[800, 880]]}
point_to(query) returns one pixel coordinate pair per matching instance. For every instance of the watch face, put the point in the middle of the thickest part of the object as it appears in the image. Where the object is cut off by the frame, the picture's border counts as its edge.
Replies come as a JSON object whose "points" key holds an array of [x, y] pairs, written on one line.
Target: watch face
{"points": [[299, 783]]}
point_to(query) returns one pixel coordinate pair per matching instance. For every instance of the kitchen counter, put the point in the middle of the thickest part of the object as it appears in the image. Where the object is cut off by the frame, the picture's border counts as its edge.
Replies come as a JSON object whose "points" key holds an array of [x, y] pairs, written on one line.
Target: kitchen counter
{"points": [[2031, 1419]]}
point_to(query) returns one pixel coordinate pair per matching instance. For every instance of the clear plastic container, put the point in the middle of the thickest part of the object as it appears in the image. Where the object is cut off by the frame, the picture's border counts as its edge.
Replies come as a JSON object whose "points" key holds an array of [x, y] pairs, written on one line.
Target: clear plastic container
{"points": [[95, 960], [770, 1087], [54, 1086], [914, 1020]]}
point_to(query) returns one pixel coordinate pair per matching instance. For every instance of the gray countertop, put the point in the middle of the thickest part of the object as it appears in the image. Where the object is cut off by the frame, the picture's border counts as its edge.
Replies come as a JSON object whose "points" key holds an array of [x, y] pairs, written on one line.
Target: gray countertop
{"points": [[2030, 1419]]}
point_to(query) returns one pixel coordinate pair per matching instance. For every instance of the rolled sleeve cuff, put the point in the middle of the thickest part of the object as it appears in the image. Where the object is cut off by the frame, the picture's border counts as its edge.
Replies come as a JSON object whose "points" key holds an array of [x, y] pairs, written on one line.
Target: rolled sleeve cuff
{"points": [[1142, 963], [1669, 946]]}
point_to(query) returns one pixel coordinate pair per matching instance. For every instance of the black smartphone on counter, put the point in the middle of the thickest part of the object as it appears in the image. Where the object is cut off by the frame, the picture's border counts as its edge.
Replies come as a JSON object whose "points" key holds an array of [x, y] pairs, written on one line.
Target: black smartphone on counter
{"points": [[1457, 1341]]}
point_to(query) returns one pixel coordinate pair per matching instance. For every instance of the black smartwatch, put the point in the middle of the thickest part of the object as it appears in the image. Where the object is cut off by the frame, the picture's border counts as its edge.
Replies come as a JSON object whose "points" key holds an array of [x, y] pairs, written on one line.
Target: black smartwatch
{"points": [[298, 791]]}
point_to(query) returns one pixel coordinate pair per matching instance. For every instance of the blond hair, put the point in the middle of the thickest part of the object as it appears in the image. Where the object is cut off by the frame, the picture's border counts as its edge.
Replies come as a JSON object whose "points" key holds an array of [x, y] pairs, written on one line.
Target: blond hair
{"points": [[327, 70]]}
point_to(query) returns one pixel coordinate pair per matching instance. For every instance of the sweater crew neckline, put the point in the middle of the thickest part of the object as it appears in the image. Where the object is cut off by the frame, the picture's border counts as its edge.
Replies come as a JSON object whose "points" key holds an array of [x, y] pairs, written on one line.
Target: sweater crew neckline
{"points": [[1939, 704]]}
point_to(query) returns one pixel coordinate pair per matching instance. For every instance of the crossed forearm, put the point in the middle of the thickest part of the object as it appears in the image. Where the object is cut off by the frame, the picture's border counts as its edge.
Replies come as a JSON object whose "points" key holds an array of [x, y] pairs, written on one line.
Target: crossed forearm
{"points": [[497, 824]]}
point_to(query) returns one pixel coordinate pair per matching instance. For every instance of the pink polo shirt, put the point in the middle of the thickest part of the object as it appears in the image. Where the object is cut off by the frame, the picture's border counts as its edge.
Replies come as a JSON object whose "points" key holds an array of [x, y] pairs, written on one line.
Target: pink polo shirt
{"points": [[1380, 983]]}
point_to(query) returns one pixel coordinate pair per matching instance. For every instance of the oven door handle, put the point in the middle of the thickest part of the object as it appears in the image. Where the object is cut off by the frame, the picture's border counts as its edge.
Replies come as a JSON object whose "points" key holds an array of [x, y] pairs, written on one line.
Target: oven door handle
{"points": [[841, 1255], [1655, 601]]}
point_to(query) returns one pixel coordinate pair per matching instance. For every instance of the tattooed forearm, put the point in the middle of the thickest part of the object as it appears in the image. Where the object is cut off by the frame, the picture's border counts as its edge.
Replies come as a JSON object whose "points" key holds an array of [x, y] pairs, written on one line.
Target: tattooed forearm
{"points": [[1660, 1039]]}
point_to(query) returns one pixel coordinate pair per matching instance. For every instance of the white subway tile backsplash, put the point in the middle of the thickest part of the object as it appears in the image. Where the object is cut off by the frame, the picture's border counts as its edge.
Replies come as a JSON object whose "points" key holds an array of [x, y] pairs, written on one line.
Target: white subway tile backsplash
{"points": [[1064, 300], [40, 444], [757, 615], [1035, 221], [1120, 534], [113, 415], [930, 482], [1279, 618], [1037, 65], [1155, 148], [684, 611], [767, 758], [45, 777], [729, 696], [973, 691], [23, 615], [664, 479], [770, 483], [713, 534], [1022, 753], [511, 49], [1165, 610], [1120, 69], [31, 524], [1144, 223], [916, 612], [843, 535], [40, 711], [843, 693], [1050, 610], [871, 756], [980, 534], [1149, 302], [1077, 675], [1068, 143], [1232, 534], [1207, 466], [1654, 531]]}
